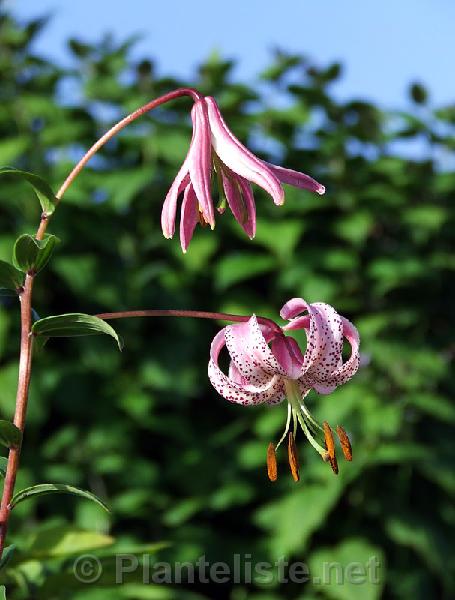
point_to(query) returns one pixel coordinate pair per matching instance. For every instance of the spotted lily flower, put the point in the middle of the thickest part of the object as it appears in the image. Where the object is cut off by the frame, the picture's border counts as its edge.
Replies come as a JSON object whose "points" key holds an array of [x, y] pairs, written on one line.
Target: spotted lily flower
{"points": [[267, 366], [215, 150]]}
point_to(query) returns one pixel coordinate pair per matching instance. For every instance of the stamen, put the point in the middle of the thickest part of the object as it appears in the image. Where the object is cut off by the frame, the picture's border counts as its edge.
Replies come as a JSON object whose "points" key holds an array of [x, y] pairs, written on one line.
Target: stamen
{"points": [[293, 458], [202, 220], [309, 436], [308, 415], [294, 398], [286, 429], [272, 469], [345, 443], [330, 446], [312, 427]]}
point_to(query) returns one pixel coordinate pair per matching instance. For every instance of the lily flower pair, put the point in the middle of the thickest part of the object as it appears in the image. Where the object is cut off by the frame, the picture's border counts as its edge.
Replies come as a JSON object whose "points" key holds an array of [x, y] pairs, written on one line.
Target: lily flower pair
{"points": [[268, 367], [215, 149]]}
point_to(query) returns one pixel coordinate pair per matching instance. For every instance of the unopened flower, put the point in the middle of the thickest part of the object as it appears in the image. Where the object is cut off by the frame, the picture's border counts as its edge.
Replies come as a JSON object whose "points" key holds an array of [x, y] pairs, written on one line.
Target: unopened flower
{"points": [[215, 150], [267, 366]]}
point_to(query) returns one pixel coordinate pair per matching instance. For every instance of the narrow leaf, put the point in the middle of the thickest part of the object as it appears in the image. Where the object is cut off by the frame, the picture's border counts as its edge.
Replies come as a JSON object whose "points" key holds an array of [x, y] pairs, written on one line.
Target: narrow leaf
{"points": [[31, 254], [10, 277], [2, 592], [7, 555], [44, 489], [10, 435], [42, 189], [74, 325]]}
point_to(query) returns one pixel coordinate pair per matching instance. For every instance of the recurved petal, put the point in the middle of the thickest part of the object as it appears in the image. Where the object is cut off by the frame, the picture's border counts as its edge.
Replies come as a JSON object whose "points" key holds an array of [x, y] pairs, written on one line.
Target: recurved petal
{"points": [[250, 352], [293, 308], [271, 391], [350, 367], [238, 158], [330, 336], [169, 210], [312, 324], [189, 216], [241, 201], [296, 178], [200, 160], [322, 375]]}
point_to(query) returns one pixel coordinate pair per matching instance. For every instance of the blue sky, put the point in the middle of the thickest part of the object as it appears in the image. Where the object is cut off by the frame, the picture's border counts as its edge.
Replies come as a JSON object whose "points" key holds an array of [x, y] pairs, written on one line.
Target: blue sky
{"points": [[383, 44]]}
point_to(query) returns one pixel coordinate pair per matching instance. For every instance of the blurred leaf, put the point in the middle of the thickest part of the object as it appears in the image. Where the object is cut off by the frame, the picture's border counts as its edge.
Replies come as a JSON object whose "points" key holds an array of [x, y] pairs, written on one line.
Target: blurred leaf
{"points": [[44, 489], [3, 465], [64, 540], [235, 268], [353, 570], [10, 278], [295, 517], [8, 553], [418, 93]]}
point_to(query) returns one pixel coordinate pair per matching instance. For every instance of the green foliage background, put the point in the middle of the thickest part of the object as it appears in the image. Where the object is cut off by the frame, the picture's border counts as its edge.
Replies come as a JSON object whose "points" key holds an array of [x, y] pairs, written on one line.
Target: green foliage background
{"points": [[143, 428]]}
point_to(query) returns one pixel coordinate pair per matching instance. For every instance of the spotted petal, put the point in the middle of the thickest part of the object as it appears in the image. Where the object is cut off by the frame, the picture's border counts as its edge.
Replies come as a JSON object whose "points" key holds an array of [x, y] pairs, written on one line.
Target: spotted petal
{"points": [[331, 342], [350, 367], [312, 324], [230, 389]]}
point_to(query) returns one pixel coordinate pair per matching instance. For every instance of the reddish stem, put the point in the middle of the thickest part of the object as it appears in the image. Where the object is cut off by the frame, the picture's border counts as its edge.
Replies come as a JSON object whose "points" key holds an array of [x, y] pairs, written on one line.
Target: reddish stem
{"points": [[195, 314], [21, 405]]}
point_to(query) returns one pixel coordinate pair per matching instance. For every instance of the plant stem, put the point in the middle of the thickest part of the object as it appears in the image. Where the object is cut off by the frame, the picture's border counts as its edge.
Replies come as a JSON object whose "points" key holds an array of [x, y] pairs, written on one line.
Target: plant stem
{"points": [[25, 361], [25, 357], [195, 314]]}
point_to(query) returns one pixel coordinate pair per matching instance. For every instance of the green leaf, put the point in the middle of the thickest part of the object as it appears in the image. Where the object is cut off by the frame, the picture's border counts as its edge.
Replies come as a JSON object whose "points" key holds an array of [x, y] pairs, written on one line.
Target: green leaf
{"points": [[353, 570], [42, 189], [74, 325], [7, 555], [43, 489], [235, 268], [63, 540], [10, 435], [10, 277], [3, 463], [2, 592], [31, 254]]}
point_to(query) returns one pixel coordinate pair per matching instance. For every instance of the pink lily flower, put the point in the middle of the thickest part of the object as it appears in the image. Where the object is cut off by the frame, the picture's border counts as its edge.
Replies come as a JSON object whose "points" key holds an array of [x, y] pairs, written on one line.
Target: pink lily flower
{"points": [[268, 367], [214, 148]]}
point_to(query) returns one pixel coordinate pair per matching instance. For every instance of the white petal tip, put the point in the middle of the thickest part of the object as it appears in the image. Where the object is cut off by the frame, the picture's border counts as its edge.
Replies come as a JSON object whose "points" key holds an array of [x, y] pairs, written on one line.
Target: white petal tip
{"points": [[212, 226], [321, 190]]}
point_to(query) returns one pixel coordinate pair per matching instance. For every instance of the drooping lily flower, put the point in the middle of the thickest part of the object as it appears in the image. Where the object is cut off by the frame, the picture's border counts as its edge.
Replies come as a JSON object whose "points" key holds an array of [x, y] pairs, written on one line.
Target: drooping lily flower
{"points": [[267, 366], [215, 149]]}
